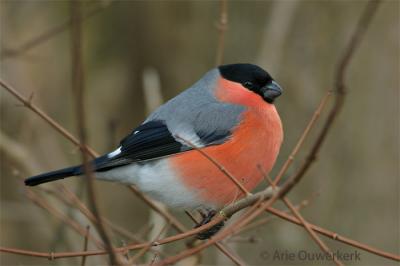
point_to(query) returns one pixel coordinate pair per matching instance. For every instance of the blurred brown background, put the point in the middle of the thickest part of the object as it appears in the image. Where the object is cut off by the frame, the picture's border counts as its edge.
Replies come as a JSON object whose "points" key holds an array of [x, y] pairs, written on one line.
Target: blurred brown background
{"points": [[298, 42]]}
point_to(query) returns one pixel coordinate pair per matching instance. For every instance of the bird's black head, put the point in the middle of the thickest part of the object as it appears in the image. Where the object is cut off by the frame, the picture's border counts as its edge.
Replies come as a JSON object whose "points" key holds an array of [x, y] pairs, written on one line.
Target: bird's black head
{"points": [[253, 78]]}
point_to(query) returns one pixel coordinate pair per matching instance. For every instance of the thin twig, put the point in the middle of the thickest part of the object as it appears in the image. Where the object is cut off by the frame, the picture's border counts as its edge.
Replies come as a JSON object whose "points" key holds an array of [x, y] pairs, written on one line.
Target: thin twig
{"points": [[335, 236], [313, 235], [303, 136], [67, 197], [339, 85], [78, 87], [28, 103], [281, 214], [216, 164], [39, 201], [228, 211], [151, 244], [266, 220], [297, 214], [153, 98], [85, 244]]}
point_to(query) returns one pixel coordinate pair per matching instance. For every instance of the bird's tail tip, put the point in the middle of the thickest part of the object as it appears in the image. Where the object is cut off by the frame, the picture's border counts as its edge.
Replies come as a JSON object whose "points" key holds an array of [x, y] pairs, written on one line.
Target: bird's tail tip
{"points": [[52, 176]]}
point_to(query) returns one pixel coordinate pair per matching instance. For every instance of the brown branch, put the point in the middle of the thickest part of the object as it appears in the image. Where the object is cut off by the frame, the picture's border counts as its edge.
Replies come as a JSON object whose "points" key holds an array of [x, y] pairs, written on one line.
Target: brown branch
{"points": [[290, 218], [340, 89], [28, 103], [222, 27], [72, 200], [85, 245], [78, 87], [67, 197], [302, 138], [233, 257], [313, 235], [266, 220], [42, 203], [215, 221], [335, 236], [227, 211], [305, 224], [276, 212], [151, 244]]}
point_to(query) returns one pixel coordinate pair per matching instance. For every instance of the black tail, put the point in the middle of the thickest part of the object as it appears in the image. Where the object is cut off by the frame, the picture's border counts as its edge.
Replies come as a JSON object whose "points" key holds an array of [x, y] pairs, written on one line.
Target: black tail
{"points": [[54, 175], [98, 164]]}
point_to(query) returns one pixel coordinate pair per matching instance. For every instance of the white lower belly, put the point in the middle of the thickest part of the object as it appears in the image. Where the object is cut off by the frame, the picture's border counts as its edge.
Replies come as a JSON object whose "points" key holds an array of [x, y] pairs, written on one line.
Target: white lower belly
{"points": [[156, 179]]}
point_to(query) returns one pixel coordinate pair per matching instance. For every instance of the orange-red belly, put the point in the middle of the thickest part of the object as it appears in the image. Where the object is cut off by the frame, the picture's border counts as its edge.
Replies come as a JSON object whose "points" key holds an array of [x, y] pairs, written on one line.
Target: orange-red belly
{"points": [[255, 143]]}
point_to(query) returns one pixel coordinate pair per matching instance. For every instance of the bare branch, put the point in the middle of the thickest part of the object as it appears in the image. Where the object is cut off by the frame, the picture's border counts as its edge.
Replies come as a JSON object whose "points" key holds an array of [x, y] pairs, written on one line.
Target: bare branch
{"points": [[302, 138], [263, 221], [151, 244], [227, 211], [78, 87], [27, 102], [339, 86], [215, 221], [39, 201], [85, 244], [297, 214]]}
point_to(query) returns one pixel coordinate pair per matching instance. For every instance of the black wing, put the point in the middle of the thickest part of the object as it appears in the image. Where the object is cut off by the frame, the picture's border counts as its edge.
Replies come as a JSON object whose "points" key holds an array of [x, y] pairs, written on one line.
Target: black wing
{"points": [[148, 141]]}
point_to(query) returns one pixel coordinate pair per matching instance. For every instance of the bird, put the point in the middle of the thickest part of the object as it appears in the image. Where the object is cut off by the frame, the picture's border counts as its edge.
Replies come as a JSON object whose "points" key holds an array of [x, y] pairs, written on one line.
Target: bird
{"points": [[229, 114]]}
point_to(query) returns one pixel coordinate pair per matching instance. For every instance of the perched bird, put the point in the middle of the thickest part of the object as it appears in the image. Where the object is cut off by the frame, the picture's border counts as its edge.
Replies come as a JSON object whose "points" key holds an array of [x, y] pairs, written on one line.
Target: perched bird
{"points": [[229, 114]]}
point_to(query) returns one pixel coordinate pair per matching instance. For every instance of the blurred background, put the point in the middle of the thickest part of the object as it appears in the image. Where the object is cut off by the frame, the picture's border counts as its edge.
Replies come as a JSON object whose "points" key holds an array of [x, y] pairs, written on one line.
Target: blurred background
{"points": [[133, 46]]}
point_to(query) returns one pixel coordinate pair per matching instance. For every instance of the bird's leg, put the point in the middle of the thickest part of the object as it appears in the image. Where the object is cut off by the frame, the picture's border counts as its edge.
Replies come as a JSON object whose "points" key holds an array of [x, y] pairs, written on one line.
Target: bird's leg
{"points": [[206, 218]]}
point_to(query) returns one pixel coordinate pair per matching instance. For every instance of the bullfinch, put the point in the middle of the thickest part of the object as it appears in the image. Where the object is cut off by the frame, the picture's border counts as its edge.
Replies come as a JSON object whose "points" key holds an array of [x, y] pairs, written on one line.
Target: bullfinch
{"points": [[229, 114]]}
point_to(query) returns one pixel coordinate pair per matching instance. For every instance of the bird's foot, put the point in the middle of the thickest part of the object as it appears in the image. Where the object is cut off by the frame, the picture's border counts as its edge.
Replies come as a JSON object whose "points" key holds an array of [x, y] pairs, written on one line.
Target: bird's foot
{"points": [[211, 231]]}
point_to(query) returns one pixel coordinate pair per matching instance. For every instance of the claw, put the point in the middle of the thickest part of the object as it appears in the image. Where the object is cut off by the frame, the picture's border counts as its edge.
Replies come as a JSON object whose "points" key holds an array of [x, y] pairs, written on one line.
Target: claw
{"points": [[213, 230]]}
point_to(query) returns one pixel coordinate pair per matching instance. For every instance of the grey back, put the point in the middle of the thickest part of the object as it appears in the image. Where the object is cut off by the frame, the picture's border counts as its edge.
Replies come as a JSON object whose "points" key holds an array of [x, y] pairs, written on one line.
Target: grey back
{"points": [[197, 116]]}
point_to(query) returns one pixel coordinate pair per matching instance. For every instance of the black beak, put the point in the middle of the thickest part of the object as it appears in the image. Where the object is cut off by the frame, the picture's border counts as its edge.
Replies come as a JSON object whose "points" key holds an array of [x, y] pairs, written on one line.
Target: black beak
{"points": [[271, 91]]}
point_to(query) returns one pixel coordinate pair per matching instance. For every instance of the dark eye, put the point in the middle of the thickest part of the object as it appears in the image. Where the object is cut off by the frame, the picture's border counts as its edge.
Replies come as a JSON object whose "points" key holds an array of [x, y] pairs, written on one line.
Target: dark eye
{"points": [[248, 85]]}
